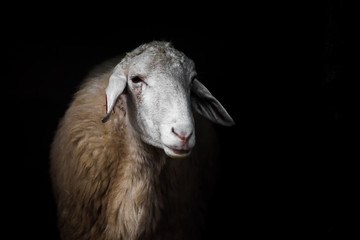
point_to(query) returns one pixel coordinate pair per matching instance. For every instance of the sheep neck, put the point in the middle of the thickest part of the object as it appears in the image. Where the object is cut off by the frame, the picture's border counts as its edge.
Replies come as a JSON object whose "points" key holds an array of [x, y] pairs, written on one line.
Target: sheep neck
{"points": [[138, 198]]}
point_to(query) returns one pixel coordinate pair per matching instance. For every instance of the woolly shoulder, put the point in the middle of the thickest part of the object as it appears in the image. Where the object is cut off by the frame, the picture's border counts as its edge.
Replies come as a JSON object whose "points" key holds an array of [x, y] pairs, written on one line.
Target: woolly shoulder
{"points": [[82, 139], [81, 126]]}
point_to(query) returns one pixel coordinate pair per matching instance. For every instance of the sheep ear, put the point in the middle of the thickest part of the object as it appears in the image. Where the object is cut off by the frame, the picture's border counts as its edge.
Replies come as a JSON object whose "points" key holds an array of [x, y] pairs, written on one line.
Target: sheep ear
{"points": [[208, 106], [117, 83]]}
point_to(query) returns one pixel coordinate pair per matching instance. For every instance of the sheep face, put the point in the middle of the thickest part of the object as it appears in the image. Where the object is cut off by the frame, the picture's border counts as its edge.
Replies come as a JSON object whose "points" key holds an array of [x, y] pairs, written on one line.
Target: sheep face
{"points": [[161, 92]]}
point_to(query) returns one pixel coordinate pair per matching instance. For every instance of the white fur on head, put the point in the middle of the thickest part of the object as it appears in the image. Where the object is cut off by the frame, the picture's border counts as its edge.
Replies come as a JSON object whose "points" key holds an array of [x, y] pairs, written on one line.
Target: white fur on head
{"points": [[161, 88]]}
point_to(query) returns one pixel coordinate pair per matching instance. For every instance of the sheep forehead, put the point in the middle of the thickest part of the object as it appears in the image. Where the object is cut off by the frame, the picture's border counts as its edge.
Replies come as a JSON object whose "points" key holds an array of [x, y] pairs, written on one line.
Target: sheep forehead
{"points": [[163, 59]]}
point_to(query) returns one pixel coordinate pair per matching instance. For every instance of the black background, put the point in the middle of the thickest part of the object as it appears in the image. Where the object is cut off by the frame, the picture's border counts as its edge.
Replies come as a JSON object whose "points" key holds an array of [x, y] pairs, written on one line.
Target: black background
{"points": [[284, 73]]}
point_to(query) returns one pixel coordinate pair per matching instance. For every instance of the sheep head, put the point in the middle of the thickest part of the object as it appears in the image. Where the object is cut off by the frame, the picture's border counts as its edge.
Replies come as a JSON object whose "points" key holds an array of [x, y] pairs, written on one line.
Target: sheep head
{"points": [[160, 88]]}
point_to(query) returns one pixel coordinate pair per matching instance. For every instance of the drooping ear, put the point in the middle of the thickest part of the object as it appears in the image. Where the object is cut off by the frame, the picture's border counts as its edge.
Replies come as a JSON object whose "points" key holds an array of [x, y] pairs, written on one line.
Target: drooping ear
{"points": [[117, 83], [208, 106]]}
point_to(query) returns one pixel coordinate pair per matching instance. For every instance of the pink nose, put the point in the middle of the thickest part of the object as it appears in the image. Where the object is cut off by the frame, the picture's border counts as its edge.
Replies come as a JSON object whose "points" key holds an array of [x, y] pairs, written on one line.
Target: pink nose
{"points": [[182, 135]]}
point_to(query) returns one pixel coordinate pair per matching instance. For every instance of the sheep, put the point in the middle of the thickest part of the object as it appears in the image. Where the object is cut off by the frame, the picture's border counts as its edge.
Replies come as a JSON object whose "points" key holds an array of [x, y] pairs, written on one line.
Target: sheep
{"points": [[123, 160]]}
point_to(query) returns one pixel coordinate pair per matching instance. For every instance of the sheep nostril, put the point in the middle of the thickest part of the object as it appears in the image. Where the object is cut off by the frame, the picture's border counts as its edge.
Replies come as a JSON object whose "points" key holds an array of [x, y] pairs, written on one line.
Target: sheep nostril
{"points": [[182, 135]]}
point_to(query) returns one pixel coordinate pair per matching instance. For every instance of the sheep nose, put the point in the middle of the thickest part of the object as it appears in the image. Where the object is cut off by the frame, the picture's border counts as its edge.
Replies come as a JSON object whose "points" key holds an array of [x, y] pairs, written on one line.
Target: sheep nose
{"points": [[182, 135]]}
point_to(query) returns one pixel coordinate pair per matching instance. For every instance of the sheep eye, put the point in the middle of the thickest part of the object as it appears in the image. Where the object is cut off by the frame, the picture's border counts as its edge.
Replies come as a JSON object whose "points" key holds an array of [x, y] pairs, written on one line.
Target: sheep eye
{"points": [[136, 79]]}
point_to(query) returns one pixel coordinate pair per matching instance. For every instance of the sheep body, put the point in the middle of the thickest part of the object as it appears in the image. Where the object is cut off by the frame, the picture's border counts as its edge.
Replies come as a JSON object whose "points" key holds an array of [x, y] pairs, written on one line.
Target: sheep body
{"points": [[108, 184]]}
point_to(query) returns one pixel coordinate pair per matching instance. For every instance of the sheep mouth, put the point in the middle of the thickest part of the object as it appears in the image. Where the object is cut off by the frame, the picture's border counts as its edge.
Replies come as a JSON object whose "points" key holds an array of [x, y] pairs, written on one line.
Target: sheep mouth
{"points": [[180, 151], [176, 153]]}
